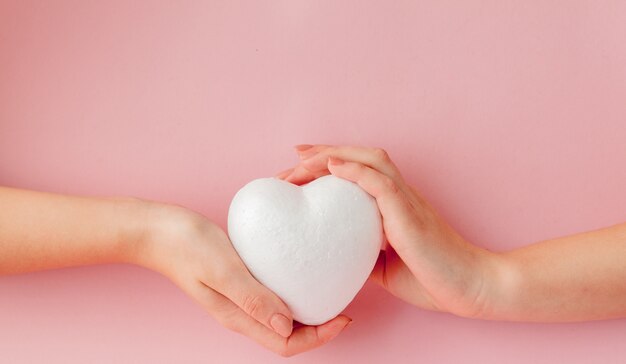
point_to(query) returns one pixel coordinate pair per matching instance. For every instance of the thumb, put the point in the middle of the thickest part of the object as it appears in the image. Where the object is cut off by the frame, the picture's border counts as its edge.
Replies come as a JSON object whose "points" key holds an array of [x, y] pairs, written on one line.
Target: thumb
{"points": [[378, 274], [257, 301]]}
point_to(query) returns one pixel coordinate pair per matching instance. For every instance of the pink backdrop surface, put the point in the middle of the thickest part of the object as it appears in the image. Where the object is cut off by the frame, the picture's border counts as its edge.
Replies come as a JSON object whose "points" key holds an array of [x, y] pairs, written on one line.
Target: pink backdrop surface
{"points": [[509, 116]]}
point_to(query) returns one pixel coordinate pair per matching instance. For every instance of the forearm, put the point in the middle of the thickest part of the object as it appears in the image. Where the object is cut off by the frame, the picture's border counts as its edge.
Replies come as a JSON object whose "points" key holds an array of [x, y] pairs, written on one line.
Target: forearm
{"points": [[575, 278], [44, 231]]}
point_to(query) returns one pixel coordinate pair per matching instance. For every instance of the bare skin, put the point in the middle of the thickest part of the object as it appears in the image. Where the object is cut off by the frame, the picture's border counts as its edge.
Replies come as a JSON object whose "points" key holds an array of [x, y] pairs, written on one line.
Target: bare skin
{"points": [[44, 231], [427, 264]]}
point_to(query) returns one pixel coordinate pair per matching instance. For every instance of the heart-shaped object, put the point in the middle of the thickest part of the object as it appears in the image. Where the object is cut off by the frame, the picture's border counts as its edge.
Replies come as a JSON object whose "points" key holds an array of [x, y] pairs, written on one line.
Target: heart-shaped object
{"points": [[314, 246]]}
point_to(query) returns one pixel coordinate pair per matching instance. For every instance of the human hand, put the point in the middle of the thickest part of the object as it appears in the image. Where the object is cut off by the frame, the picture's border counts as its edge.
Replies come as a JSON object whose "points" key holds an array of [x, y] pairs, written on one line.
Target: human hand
{"points": [[426, 263], [198, 257]]}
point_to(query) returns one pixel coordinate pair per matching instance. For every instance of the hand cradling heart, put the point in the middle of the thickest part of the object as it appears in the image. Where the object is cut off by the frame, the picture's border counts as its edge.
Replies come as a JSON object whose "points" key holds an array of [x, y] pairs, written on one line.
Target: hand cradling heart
{"points": [[314, 246]]}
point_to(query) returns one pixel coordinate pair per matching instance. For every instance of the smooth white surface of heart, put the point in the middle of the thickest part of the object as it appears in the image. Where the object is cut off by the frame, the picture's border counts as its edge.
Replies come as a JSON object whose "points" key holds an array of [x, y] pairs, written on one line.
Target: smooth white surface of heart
{"points": [[314, 246]]}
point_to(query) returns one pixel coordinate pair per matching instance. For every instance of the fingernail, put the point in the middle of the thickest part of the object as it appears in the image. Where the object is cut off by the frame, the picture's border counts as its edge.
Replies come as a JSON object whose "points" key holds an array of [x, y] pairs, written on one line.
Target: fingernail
{"points": [[335, 161], [281, 324], [307, 155], [303, 147]]}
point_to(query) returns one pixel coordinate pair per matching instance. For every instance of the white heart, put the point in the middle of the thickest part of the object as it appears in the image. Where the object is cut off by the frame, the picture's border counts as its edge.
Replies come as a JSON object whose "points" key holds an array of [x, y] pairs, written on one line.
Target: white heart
{"points": [[314, 246]]}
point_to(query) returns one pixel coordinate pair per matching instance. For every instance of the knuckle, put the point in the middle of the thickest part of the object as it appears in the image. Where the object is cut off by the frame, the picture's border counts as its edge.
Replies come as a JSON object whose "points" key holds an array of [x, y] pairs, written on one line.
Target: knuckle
{"points": [[390, 185], [381, 155], [253, 305], [284, 351], [357, 167]]}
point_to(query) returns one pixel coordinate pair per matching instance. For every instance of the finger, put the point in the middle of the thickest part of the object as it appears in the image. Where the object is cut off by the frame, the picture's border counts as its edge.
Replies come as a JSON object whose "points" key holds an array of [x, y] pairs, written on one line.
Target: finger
{"points": [[389, 269], [306, 150], [301, 175], [306, 337], [235, 282], [391, 273], [395, 208], [316, 159], [283, 174], [232, 317], [302, 148], [378, 274]]}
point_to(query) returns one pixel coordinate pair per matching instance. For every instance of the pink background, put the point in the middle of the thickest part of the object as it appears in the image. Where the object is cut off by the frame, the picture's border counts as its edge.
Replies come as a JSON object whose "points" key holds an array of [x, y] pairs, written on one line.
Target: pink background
{"points": [[509, 116]]}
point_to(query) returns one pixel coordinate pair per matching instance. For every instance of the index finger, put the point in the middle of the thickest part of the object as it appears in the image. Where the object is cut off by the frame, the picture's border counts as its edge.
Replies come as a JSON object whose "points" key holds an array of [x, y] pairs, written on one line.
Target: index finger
{"points": [[315, 159]]}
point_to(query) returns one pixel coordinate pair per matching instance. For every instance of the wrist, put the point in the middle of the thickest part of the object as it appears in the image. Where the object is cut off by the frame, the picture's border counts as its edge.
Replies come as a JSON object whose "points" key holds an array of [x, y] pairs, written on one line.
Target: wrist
{"points": [[500, 278], [133, 228], [157, 240]]}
